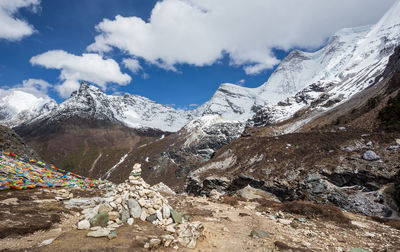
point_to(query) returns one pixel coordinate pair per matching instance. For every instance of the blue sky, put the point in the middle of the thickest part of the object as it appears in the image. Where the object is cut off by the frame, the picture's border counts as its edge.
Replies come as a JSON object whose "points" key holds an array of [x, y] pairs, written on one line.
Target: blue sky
{"points": [[70, 26]]}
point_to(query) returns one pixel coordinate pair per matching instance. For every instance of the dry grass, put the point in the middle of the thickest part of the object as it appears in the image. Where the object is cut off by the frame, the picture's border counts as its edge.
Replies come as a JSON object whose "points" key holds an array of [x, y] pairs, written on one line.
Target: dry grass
{"points": [[232, 200], [312, 211], [389, 222]]}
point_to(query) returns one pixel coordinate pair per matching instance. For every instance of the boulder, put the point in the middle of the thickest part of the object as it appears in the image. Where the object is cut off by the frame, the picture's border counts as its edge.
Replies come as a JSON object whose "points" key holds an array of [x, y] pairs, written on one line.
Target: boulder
{"points": [[101, 219]]}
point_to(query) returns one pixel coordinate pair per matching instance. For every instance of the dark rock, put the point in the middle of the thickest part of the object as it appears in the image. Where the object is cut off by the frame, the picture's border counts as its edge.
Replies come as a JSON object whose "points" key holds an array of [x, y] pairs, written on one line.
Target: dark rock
{"points": [[151, 218]]}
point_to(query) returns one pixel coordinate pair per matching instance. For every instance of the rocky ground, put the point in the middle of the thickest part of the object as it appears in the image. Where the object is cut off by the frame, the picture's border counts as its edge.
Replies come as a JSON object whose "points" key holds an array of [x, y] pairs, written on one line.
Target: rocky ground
{"points": [[230, 224]]}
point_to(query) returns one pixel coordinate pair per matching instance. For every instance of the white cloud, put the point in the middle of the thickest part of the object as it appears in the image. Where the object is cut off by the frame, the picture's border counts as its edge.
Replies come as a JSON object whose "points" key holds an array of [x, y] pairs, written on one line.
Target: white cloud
{"points": [[12, 28], [132, 64], [90, 67], [36, 87], [200, 32]]}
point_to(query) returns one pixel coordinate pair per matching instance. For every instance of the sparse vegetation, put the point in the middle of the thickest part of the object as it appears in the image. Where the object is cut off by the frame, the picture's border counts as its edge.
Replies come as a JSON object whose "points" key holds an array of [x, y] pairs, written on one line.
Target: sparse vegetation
{"points": [[390, 115], [312, 211]]}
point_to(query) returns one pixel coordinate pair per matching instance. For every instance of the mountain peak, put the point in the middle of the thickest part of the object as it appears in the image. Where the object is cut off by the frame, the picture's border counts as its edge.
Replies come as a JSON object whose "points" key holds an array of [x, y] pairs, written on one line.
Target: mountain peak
{"points": [[84, 85]]}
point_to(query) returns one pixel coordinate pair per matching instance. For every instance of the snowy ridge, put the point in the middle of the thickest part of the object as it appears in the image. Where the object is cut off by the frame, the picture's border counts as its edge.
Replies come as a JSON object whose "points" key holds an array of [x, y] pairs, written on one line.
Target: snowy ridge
{"points": [[131, 110], [350, 63], [19, 106]]}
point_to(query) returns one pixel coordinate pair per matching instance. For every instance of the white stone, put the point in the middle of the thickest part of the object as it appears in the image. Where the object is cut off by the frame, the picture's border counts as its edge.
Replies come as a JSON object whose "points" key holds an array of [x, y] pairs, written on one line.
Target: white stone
{"points": [[143, 216], [285, 221], [84, 224], [47, 242], [169, 221], [130, 221], [166, 212], [113, 205], [159, 215], [99, 233], [142, 202], [170, 229]]}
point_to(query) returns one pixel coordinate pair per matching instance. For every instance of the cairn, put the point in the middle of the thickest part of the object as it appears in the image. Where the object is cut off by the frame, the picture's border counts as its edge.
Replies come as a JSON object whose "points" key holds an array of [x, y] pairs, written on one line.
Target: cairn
{"points": [[135, 199]]}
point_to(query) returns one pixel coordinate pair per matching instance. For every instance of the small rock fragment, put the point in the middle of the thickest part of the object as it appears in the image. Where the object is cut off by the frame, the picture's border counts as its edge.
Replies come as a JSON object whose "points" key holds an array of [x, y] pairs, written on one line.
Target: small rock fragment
{"points": [[370, 156], [257, 233]]}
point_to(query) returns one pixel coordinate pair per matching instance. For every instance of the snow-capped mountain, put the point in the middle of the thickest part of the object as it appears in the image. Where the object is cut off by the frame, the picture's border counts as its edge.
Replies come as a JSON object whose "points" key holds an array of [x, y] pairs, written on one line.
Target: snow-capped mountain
{"points": [[350, 62], [131, 110], [19, 106]]}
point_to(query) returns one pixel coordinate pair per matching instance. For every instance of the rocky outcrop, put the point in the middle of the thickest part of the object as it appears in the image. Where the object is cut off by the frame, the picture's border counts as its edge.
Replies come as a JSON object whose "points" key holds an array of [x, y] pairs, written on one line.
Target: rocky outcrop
{"points": [[320, 167]]}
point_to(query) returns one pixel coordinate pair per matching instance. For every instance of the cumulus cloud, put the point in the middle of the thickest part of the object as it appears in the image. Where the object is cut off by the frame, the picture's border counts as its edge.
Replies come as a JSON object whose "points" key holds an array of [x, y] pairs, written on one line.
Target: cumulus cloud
{"points": [[11, 27], [200, 32], [37, 87], [132, 64], [90, 67]]}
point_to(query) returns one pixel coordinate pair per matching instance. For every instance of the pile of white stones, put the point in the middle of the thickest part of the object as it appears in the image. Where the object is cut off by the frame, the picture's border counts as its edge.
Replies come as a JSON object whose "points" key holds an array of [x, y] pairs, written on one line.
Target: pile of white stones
{"points": [[134, 199]]}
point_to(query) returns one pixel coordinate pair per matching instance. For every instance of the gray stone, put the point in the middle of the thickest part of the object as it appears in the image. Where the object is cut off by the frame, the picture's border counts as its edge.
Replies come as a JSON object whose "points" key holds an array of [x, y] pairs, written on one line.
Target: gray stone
{"points": [[102, 232], [101, 219], [176, 216], [84, 224], [370, 156], [134, 208], [124, 215], [257, 233], [112, 235]]}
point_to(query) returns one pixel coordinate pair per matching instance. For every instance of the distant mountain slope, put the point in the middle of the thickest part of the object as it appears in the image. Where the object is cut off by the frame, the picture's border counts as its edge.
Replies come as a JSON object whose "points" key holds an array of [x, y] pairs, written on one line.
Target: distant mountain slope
{"points": [[11, 142]]}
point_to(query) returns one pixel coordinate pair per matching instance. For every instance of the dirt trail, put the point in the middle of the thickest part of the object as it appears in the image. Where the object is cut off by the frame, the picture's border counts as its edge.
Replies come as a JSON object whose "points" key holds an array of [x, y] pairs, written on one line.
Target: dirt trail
{"points": [[227, 228]]}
